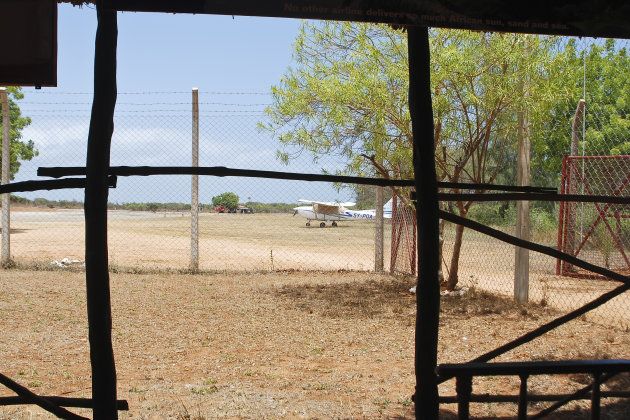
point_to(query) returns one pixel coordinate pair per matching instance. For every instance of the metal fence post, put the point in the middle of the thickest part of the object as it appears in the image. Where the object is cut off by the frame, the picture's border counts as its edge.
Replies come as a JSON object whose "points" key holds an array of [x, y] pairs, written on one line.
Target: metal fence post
{"points": [[194, 203], [6, 163]]}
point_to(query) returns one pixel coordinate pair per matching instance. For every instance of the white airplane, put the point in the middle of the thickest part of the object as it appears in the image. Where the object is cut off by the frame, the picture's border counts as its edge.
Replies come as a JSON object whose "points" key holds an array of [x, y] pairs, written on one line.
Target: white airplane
{"points": [[335, 211]]}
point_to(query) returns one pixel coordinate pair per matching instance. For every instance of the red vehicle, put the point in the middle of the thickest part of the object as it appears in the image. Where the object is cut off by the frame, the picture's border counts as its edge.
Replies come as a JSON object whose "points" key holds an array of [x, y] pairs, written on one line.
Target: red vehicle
{"points": [[220, 209]]}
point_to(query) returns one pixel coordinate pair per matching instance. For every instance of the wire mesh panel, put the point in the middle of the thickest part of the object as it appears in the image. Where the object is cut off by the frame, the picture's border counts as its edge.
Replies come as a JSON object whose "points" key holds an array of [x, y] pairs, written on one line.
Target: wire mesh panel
{"points": [[559, 293], [596, 232], [150, 217], [404, 251]]}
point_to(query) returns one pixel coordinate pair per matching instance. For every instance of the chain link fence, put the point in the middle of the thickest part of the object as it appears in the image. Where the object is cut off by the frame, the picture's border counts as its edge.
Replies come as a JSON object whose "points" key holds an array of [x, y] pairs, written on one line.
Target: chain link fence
{"points": [[150, 217], [593, 143]]}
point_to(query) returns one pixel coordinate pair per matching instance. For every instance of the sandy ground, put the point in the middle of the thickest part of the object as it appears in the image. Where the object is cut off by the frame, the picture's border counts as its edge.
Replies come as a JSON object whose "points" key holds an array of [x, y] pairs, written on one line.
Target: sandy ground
{"points": [[226, 241], [283, 344], [268, 242], [285, 321]]}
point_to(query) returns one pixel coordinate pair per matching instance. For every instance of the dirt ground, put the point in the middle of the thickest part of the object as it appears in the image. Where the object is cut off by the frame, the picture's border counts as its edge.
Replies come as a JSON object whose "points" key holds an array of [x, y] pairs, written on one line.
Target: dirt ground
{"points": [[282, 344], [226, 241], [268, 242], [284, 322]]}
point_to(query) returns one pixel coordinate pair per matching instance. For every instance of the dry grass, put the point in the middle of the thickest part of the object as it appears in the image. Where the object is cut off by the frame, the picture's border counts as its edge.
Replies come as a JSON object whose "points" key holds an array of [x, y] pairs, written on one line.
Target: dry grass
{"points": [[226, 241], [141, 241], [251, 337], [269, 345]]}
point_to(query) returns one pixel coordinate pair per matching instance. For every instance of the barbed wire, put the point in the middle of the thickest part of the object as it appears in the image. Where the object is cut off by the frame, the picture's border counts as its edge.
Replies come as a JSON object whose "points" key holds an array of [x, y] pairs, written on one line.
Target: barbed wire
{"points": [[34, 112], [143, 103], [152, 93]]}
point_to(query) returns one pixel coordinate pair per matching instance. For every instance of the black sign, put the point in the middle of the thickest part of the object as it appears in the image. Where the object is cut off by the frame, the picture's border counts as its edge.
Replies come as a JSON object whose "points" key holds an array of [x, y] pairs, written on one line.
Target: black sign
{"points": [[598, 18], [28, 32]]}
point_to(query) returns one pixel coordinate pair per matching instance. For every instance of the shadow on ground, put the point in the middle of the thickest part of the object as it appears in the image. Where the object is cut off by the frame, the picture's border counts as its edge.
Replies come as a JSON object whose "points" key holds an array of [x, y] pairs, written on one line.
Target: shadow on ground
{"points": [[354, 299]]}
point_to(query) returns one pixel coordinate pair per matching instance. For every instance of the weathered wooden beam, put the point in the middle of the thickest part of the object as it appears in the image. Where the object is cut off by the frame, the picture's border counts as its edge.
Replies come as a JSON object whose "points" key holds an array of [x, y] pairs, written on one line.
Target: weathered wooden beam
{"points": [[428, 290], [49, 184], [533, 246], [96, 194], [29, 397], [64, 401], [61, 171], [222, 171], [487, 398]]}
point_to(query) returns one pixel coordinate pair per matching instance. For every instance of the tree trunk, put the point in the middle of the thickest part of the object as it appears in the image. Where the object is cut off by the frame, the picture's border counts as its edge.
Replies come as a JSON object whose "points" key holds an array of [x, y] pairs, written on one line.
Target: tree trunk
{"points": [[453, 277], [441, 250], [457, 246]]}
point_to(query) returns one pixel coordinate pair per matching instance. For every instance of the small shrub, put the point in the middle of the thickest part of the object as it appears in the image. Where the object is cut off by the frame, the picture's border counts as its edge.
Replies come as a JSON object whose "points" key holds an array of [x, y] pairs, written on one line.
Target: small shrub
{"points": [[543, 225], [205, 391], [491, 214]]}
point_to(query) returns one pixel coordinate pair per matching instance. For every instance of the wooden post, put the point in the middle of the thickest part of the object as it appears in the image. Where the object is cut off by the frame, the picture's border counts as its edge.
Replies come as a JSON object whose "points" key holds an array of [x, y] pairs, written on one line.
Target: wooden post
{"points": [[428, 290], [521, 259], [194, 196], [96, 195], [6, 175], [378, 234]]}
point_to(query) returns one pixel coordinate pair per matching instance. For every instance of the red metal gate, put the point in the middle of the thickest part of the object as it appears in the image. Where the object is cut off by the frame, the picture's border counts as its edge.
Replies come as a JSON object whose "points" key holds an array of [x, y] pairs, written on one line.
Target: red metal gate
{"points": [[403, 255], [595, 230]]}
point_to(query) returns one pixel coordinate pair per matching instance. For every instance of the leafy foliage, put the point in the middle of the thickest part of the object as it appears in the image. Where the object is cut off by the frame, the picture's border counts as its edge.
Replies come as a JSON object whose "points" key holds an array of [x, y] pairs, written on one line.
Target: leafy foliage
{"points": [[229, 200], [258, 207], [348, 95], [605, 69], [20, 150]]}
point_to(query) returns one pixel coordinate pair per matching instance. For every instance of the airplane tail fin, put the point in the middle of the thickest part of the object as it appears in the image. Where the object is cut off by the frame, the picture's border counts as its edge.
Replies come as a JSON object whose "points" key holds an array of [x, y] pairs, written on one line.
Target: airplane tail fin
{"points": [[387, 209]]}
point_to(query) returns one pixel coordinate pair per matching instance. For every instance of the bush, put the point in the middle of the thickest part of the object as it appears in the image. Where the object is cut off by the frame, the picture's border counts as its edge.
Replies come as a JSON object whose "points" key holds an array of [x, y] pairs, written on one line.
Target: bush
{"points": [[492, 214], [542, 220], [229, 200], [19, 200], [270, 207]]}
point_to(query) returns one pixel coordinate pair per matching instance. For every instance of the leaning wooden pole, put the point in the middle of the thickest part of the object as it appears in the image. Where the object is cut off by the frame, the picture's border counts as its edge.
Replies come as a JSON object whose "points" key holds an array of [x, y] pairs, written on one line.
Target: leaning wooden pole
{"points": [[428, 290], [96, 194]]}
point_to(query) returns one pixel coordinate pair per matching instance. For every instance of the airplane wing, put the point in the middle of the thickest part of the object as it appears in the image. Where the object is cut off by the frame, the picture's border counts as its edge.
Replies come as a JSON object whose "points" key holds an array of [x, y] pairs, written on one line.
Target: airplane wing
{"points": [[329, 203], [330, 207]]}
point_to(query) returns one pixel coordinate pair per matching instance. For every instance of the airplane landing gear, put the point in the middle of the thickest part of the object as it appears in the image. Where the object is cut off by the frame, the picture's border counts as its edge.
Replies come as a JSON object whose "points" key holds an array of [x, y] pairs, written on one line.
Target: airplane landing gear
{"points": [[322, 224], [334, 224], [308, 223]]}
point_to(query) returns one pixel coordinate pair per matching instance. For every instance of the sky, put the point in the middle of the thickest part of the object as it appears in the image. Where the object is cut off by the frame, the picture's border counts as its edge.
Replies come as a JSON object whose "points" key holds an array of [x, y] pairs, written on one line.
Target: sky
{"points": [[233, 61]]}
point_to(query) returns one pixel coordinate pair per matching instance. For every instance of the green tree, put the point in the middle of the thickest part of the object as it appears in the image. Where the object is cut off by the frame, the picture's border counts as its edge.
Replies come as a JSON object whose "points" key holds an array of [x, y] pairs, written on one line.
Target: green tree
{"points": [[20, 150], [481, 83], [605, 69], [229, 200], [608, 98], [365, 196], [348, 95]]}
